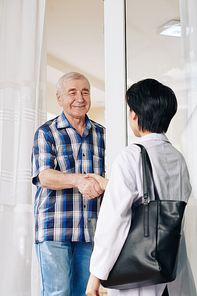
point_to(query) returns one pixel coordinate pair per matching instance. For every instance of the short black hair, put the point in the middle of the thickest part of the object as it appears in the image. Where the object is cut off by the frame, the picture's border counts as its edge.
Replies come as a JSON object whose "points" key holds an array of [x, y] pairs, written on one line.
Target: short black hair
{"points": [[154, 103]]}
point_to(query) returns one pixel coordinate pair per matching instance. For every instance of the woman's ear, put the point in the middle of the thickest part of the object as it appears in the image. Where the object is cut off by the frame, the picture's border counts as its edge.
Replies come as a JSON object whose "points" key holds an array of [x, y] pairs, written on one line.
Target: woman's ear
{"points": [[134, 116]]}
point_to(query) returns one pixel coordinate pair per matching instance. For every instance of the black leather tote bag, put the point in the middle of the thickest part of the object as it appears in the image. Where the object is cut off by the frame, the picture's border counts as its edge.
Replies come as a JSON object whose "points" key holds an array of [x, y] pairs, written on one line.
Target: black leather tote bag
{"points": [[149, 255]]}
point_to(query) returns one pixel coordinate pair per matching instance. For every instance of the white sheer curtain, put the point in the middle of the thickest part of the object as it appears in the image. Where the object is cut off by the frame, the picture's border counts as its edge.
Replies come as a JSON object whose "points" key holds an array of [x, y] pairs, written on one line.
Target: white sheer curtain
{"points": [[22, 110], [188, 13]]}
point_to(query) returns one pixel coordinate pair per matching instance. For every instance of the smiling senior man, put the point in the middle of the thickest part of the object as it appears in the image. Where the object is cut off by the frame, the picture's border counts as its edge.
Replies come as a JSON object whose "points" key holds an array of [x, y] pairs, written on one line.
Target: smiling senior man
{"points": [[64, 150]]}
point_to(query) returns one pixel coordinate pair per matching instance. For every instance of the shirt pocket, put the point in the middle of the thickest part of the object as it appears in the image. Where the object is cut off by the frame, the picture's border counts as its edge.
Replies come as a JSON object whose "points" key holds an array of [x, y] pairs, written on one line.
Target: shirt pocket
{"points": [[97, 165], [66, 163]]}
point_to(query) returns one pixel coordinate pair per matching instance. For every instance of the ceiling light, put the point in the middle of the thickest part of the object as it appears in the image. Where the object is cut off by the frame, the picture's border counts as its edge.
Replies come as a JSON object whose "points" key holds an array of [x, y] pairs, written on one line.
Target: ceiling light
{"points": [[172, 28]]}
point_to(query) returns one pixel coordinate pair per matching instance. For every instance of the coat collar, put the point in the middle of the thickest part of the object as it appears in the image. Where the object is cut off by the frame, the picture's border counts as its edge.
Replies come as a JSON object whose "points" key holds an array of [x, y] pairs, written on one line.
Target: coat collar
{"points": [[154, 137]]}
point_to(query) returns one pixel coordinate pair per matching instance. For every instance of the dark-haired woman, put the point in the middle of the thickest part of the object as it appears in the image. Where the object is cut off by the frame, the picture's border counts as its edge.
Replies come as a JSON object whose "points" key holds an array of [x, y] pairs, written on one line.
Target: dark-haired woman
{"points": [[152, 106]]}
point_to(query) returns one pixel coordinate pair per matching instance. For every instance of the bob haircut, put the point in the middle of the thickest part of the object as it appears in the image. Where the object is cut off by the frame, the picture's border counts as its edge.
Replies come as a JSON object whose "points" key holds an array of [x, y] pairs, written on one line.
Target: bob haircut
{"points": [[154, 103], [67, 77]]}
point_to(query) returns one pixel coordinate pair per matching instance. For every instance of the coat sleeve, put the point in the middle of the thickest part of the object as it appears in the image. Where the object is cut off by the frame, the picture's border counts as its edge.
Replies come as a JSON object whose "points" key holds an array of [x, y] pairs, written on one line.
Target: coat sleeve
{"points": [[115, 215]]}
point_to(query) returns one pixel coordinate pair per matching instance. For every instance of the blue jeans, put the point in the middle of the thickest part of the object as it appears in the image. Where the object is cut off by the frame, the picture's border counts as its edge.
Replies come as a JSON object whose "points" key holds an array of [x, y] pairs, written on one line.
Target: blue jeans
{"points": [[64, 267]]}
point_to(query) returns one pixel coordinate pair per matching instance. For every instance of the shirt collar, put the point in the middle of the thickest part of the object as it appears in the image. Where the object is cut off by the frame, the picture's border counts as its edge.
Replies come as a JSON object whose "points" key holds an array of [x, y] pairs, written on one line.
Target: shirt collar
{"points": [[62, 122]]}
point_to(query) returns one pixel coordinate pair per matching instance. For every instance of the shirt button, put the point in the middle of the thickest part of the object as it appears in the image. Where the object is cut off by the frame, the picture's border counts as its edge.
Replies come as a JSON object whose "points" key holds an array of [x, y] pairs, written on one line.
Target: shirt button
{"points": [[84, 172], [83, 154], [84, 206]]}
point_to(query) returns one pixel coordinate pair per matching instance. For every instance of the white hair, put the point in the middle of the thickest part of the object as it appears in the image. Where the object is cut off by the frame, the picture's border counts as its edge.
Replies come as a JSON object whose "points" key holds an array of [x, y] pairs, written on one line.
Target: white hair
{"points": [[67, 77]]}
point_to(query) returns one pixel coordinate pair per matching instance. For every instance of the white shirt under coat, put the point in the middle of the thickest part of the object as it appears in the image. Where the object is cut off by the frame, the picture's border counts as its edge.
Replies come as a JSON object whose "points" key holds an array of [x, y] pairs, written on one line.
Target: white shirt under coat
{"points": [[171, 178]]}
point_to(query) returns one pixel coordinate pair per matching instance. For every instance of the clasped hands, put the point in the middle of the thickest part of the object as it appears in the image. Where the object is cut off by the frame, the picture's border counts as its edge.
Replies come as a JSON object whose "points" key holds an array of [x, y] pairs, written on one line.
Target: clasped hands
{"points": [[92, 185]]}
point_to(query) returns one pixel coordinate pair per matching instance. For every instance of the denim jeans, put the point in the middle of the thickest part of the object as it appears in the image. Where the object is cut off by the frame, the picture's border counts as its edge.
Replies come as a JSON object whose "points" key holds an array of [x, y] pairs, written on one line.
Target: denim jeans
{"points": [[64, 267]]}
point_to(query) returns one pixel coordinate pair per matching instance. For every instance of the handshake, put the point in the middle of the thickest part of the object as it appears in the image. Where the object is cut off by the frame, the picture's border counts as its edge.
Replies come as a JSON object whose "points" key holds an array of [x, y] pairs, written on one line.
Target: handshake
{"points": [[91, 185], [102, 181]]}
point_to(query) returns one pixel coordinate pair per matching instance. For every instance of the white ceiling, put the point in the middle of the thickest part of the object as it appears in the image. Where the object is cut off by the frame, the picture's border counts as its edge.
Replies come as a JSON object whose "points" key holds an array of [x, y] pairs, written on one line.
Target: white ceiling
{"points": [[75, 41]]}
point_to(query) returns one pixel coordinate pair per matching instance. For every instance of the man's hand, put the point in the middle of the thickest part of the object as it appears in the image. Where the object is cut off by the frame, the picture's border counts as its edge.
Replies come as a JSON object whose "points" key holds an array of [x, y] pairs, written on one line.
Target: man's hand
{"points": [[102, 181], [93, 286], [89, 187]]}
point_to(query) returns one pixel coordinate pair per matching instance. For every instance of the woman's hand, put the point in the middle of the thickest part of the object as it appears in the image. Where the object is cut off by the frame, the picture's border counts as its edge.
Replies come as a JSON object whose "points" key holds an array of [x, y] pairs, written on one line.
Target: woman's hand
{"points": [[88, 187], [93, 286], [102, 181]]}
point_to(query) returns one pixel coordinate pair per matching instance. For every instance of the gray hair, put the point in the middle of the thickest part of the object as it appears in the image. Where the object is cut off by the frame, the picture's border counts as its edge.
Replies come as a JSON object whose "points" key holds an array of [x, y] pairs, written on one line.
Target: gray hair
{"points": [[66, 77]]}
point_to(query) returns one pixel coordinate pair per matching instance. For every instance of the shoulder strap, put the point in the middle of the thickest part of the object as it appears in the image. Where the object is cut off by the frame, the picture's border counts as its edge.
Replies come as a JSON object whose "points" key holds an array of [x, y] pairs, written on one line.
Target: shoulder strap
{"points": [[146, 164], [147, 168]]}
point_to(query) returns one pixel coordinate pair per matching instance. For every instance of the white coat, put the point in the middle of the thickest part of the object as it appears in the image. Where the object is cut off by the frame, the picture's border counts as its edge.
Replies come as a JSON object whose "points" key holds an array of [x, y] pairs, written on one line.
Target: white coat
{"points": [[171, 178]]}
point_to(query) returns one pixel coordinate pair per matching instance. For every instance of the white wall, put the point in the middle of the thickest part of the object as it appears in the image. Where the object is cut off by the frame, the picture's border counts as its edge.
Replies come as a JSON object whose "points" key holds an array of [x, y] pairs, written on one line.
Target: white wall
{"points": [[98, 115]]}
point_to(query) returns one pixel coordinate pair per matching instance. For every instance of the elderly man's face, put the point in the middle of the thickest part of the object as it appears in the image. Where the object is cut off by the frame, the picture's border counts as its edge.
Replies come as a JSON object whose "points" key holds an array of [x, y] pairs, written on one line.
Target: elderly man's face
{"points": [[75, 99]]}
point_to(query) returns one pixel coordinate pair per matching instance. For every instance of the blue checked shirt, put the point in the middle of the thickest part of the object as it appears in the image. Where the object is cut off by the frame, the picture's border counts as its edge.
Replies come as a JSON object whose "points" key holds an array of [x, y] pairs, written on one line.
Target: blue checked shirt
{"points": [[62, 215]]}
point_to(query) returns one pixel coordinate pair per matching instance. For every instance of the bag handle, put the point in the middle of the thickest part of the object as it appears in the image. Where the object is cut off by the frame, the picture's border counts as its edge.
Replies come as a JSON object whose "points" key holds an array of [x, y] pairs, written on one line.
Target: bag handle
{"points": [[146, 164]]}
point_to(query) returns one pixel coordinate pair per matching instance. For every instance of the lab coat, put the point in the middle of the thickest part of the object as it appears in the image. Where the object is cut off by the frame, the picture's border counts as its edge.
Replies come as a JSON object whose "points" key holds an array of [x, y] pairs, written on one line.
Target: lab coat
{"points": [[125, 187]]}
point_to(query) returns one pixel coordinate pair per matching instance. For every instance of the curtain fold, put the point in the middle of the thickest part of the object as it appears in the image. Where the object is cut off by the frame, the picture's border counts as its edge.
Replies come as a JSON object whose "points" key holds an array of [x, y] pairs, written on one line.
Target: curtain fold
{"points": [[188, 16], [22, 110]]}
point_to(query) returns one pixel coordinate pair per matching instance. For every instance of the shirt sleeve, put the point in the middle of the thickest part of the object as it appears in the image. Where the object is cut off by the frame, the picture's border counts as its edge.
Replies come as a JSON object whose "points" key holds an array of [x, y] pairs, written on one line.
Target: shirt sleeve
{"points": [[115, 215], [43, 154]]}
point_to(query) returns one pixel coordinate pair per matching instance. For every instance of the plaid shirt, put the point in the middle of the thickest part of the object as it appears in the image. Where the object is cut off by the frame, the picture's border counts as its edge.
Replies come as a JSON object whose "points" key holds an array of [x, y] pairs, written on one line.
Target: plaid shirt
{"points": [[62, 215]]}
